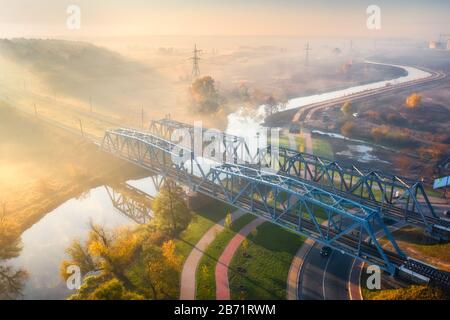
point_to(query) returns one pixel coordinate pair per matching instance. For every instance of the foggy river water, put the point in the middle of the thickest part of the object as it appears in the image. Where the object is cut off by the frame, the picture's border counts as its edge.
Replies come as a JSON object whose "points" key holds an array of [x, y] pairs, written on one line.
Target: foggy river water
{"points": [[45, 242], [247, 124]]}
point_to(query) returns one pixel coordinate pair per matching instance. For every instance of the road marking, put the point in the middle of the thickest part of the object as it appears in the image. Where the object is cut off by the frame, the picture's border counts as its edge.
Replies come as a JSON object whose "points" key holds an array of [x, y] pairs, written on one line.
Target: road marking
{"points": [[325, 274]]}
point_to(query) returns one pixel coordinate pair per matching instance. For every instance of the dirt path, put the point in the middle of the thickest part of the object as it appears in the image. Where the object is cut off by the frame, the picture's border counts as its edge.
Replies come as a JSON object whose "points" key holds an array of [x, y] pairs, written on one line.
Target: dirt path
{"points": [[222, 284], [188, 274]]}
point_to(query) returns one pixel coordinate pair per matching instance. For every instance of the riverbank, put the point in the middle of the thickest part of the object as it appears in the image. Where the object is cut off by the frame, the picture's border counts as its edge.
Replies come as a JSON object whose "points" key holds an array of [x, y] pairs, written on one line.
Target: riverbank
{"points": [[42, 167]]}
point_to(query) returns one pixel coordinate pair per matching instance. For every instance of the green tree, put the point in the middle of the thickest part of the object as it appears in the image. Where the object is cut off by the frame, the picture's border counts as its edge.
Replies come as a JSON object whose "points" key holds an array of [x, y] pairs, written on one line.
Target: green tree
{"points": [[245, 245], [114, 290], [228, 220], [171, 213]]}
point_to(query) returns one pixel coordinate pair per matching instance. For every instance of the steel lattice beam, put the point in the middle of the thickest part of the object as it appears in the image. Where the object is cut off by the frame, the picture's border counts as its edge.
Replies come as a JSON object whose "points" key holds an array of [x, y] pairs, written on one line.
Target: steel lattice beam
{"points": [[293, 204], [131, 202], [398, 198]]}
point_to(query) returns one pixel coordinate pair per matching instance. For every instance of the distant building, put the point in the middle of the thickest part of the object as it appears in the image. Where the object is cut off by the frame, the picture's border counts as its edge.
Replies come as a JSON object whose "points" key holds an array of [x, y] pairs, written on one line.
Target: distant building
{"points": [[432, 45], [439, 45]]}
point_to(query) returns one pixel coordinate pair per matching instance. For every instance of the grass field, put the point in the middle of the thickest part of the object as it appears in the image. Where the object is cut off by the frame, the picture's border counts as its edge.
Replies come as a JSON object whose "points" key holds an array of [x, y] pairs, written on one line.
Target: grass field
{"points": [[266, 264], [204, 219], [298, 140], [322, 148], [206, 282], [409, 293], [418, 245]]}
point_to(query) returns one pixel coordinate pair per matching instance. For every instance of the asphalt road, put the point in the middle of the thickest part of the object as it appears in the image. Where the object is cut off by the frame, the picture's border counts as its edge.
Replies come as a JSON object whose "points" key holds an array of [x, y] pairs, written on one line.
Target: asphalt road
{"points": [[324, 278]]}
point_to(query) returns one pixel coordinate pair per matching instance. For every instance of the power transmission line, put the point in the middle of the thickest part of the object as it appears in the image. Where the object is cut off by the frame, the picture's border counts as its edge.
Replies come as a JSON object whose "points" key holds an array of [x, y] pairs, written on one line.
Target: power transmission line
{"points": [[307, 50], [195, 59]]}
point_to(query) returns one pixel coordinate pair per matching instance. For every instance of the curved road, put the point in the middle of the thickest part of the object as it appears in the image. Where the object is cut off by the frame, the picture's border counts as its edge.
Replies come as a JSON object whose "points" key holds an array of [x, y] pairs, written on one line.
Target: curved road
{"points": [[324, 278]]}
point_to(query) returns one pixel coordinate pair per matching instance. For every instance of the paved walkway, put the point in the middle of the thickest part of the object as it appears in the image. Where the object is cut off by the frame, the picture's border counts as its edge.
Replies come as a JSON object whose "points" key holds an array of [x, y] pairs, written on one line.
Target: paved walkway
{"points": [[296, 268], [222, 284], [188, 274], [354, 281]]}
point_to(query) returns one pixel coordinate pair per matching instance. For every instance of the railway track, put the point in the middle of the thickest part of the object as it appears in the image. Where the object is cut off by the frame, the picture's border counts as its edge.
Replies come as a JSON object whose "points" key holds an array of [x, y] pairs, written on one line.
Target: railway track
{"points": [[305, 113], [441, 226]]}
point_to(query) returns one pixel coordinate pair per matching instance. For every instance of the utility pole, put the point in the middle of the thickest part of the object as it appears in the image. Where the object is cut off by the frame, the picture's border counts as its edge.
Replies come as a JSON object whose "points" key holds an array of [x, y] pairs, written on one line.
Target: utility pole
{"points": [[307, 50], [81, 127], [195, 59]]}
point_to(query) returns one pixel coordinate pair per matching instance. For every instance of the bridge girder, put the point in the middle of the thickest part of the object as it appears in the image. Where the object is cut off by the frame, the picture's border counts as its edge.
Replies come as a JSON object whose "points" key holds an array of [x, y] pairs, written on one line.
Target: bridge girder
{"points": [[290, 203], [397, 198], [131, 202]]}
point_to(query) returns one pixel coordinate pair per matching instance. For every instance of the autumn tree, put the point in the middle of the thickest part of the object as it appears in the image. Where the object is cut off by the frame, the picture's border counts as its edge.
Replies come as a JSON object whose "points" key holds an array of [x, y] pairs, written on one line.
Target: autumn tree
{"points": [[114, 290], [378, 133], [110, 252], [413, 100], [171, 213], [347, 108], [204, 95], [271, 105], [123, 264], [348, 128], [12, 280], [161, 276], [168, 252]]}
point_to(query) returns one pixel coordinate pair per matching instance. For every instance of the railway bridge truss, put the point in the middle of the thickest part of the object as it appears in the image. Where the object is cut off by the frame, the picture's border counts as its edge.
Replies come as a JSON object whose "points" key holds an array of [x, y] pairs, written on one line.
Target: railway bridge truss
{"points": [[300, 206], [131, 202], [397, 198]]}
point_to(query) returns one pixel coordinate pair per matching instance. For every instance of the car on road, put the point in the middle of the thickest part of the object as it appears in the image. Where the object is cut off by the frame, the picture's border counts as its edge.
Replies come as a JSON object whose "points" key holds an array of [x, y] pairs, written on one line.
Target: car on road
{"points": [[325, 251]]}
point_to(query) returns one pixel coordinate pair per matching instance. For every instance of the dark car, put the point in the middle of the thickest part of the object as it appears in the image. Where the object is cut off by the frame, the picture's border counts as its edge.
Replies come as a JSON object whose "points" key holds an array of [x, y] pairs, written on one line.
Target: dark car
{"points": [[325, 251]]}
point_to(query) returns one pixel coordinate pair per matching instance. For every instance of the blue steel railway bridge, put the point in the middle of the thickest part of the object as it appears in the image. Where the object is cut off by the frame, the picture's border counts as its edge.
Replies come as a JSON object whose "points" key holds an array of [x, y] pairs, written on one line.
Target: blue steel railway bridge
{"points": [[340, 206]]}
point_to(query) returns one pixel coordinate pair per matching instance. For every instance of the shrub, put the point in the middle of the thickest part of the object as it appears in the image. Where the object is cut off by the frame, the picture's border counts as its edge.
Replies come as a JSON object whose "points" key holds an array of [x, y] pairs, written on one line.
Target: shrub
{"points": [[348, 129], [413, 100]]}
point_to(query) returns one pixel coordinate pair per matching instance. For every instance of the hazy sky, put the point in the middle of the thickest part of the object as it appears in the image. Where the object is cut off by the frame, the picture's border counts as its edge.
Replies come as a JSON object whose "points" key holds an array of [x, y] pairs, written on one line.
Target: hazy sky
{"points": [[323, 18]]}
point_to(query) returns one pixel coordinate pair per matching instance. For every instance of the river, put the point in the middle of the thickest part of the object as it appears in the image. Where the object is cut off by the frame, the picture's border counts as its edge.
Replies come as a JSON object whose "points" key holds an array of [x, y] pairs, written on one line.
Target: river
{"points": [[247, 123], [45, 242]]}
